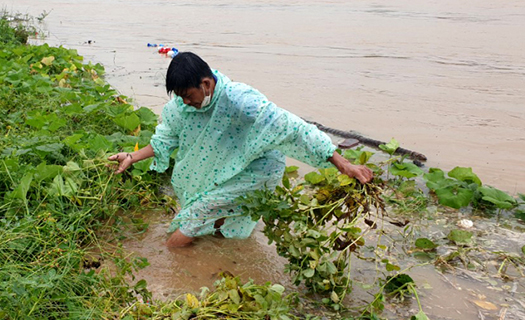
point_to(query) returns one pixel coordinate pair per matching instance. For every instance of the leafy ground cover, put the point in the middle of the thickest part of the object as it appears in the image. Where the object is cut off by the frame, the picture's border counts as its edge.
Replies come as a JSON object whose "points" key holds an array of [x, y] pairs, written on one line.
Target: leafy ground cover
{"points": [[58, 120]]}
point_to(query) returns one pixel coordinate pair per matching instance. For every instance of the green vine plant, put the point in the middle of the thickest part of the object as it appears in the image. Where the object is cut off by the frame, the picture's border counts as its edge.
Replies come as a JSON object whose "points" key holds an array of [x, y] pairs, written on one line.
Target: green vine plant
{"points": [[316, 225]]}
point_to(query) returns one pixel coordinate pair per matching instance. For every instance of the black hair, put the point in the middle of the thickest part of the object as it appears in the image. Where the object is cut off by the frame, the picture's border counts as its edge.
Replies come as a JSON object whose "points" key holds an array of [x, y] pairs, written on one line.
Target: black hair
{"points": [[186, 71]]}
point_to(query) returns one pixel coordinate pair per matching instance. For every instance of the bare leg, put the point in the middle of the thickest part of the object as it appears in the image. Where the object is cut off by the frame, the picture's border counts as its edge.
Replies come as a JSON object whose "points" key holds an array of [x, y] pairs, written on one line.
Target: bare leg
{"points": [[177, 240], [217, 227]]}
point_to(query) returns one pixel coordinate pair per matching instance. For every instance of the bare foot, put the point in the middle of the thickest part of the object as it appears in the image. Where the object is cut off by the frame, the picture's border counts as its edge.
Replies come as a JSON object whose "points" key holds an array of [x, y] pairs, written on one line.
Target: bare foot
{"points": [[177, 240]]}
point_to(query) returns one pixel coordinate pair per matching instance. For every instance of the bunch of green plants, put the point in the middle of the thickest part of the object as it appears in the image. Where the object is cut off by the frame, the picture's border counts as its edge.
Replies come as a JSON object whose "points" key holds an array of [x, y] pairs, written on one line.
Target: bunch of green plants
{"points": [[316, 225], [462, 188], [230, 299], [320, 223], [458, 188], [59, 121], [14, 29]]}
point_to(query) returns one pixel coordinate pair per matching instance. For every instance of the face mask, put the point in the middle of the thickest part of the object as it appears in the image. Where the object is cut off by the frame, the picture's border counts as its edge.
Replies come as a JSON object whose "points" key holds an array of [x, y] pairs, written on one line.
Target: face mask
{"points": [[207, 98]]}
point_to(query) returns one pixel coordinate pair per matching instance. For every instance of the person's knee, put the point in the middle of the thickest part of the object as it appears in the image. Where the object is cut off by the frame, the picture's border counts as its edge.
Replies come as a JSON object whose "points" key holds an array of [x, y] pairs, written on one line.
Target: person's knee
{"points": [[178, 240]]}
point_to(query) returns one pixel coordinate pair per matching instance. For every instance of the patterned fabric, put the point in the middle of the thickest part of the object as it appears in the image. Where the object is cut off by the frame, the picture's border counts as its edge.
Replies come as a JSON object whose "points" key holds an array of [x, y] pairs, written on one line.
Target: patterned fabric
{"points": [[234, 145]]}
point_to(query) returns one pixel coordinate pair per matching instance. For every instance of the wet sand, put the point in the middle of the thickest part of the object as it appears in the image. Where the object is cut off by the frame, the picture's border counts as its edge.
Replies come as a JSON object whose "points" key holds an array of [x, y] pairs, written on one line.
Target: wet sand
{"points": [[444, 78]]}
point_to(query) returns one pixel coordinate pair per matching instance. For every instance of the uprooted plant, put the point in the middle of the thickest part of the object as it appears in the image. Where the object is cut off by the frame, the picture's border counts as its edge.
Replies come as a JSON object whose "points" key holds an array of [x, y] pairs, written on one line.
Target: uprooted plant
{"points": [[317, 225]]}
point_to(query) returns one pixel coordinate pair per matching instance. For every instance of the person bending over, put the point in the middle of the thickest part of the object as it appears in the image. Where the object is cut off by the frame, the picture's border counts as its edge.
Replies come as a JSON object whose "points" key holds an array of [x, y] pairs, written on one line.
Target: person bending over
{"points": [[231, 140]]}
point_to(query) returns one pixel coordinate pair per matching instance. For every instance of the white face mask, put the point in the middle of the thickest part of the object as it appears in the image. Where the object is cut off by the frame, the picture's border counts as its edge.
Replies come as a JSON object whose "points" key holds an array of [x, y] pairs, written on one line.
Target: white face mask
{"points": [[207, 98]]}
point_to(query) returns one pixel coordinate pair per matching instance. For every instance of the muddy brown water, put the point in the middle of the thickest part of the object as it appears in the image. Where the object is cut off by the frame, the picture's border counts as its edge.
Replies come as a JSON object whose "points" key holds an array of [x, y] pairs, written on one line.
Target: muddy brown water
{"points": [[445, 78]]}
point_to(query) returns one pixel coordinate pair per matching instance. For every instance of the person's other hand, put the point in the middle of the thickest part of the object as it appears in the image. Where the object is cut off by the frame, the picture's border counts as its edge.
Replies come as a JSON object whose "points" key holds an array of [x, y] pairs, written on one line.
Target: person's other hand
{"points": [[125, 161], [361, 173]]}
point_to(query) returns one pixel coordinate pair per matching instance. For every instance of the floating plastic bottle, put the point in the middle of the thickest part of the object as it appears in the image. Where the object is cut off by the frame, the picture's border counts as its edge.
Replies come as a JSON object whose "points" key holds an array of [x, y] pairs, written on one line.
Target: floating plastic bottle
{"points": [[173, 52], [165, 49]]}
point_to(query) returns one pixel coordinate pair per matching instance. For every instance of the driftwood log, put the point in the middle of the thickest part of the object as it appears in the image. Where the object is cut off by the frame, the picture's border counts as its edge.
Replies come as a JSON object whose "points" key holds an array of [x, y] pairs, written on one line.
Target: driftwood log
{"points": [[416, 156]]}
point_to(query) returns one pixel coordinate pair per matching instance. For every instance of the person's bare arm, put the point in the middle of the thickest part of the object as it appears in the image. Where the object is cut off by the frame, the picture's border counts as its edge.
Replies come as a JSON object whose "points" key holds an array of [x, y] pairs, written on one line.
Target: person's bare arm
{"points": [[361, 173], [126, 159]]}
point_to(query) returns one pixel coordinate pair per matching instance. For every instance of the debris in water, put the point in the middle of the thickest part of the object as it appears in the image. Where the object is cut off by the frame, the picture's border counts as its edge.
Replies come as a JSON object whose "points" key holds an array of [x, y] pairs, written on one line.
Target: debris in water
{"points": [[485, 305], [348, 143], [465, 223]]}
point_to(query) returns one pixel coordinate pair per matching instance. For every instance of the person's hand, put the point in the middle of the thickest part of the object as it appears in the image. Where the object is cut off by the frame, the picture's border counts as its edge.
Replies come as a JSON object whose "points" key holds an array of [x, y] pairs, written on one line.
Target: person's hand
{"points": [[125, 161], [361, 173]]}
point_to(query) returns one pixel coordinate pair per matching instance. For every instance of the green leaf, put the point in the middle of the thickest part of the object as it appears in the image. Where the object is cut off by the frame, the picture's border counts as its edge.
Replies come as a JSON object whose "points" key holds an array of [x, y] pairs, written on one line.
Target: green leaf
{"points": [[426, 244], [54, 122], [405, 169], [408, 187], [308, 273], [72, 109], [305, 199], [331, 268], [50, 148], [277, 288], [497, 197], [460, 236], [419, 316], [314, 178], [72, 140], [344, 180], [143, 166], [116, 110], [454, 197], [390, 147], [92, 107], [294, 251], [71, 166], [20, 191], [44, 171], [523, 250], [59, 187], [38, 121], [286, 182], [464, 174], [392, 267], [100, 142], [436, 180], [147, 117], [397, 282], [334, 297], [364, 157], [130, 122], [48, 60], [291, 169], [313, 233]]}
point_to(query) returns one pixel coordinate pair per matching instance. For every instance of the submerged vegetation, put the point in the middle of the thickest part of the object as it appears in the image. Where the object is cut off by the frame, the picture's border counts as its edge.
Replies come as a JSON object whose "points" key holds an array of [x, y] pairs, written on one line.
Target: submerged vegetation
{"points": [[58, 122]]}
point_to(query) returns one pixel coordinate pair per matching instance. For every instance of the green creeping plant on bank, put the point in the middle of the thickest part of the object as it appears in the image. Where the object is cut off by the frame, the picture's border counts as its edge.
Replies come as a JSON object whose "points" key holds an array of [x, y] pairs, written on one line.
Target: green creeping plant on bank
{"points": [[58, 121]]}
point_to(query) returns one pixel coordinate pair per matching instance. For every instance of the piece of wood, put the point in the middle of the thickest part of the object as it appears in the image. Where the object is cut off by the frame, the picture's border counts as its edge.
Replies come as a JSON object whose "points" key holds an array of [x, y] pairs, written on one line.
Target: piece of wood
{"points": [[348, 143]]}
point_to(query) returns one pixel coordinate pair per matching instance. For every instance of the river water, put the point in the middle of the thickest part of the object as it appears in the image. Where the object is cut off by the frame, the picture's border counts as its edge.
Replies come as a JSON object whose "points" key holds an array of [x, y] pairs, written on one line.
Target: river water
{"points": [[445, 78]]}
